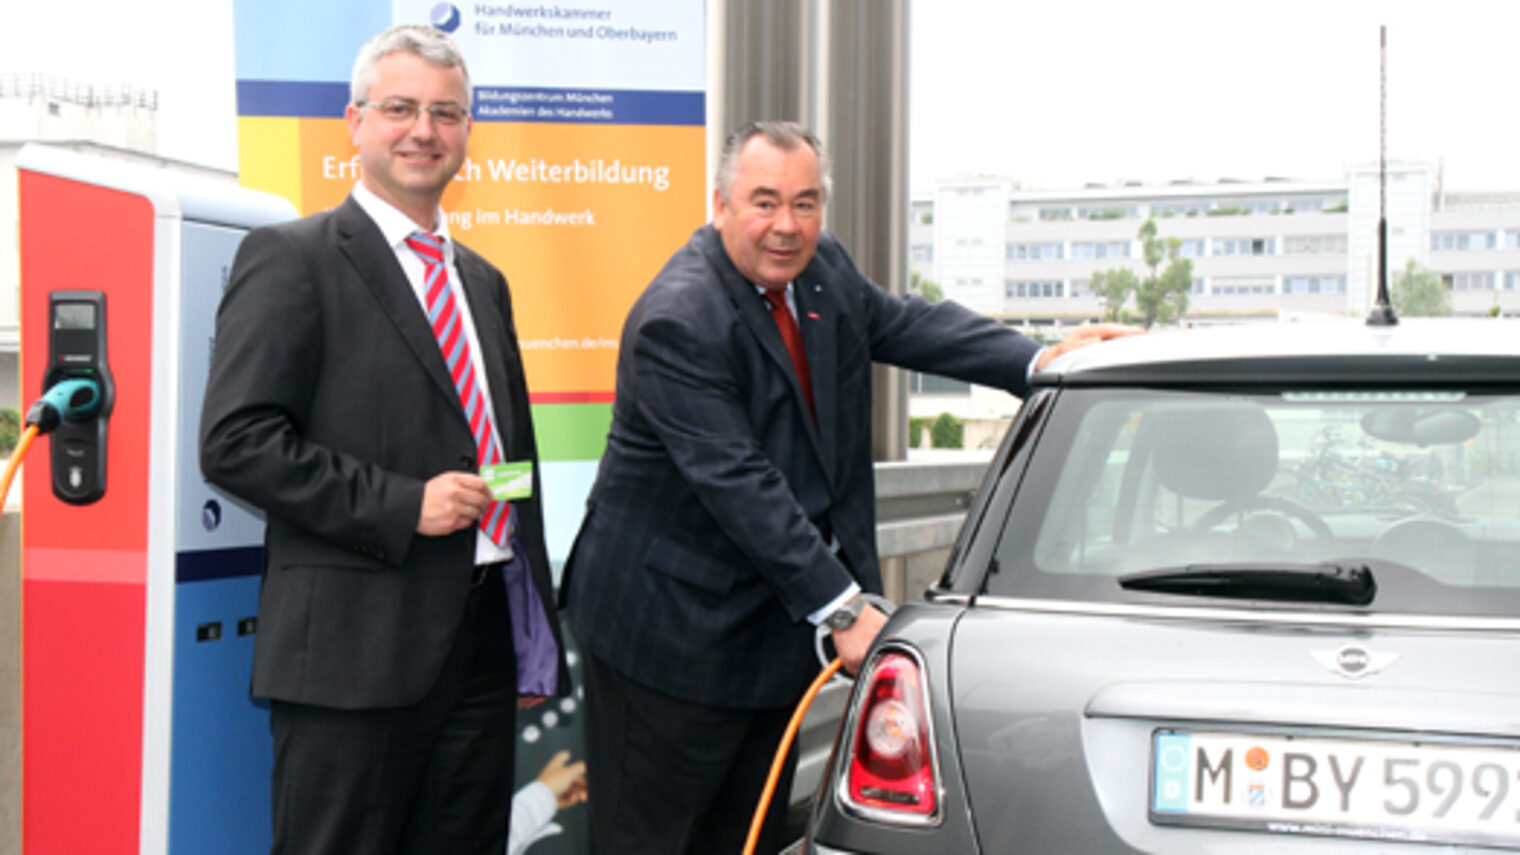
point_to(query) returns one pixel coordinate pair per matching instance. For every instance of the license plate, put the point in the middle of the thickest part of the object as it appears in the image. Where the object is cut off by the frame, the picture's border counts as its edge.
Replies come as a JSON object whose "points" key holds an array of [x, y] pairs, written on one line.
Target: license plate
{"points": [[1349, 788]]}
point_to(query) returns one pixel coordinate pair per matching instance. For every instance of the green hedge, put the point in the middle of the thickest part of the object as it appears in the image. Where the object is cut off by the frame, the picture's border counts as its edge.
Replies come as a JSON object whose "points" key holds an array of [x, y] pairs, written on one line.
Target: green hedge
{"points": [[947, 431], [916, 427]]}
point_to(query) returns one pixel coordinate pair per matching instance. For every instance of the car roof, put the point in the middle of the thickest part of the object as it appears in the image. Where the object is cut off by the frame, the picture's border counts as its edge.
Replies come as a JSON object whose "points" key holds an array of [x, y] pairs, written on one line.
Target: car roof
{"points": [[1438, 351]]}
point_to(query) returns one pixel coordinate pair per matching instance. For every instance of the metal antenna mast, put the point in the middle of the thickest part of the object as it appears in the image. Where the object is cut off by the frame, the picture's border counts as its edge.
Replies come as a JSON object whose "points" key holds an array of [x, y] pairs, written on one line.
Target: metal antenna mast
{"points": [[1382, 311]]}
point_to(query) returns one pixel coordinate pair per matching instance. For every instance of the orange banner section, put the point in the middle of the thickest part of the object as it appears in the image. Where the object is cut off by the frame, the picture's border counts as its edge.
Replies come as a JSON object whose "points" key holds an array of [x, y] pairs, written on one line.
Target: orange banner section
{"points": [[579, 218]]}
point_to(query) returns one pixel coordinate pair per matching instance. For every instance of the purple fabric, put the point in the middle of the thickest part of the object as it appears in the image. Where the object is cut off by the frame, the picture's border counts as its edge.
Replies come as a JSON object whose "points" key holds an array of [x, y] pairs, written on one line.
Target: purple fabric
{"points": [[537, 654]]}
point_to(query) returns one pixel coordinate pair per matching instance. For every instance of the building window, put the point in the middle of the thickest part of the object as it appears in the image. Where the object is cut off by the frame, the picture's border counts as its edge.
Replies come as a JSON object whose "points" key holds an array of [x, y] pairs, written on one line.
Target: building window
{"points": [[1463, 241], [1245, 246], [1197, 288], [1512, 239], [1179, 209], [1512, 280], [923, 253], [1472, 280], [1100, 249], [1035, 251], [1314, 284], [1034, 289], [1193, 248], [1108, 212], [1314, 244], [1229, 285], [933, 384]]}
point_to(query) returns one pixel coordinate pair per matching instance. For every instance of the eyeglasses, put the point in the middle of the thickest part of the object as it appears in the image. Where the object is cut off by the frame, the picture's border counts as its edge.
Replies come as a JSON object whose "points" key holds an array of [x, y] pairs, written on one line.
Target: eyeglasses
{"points": [[402, 110]]}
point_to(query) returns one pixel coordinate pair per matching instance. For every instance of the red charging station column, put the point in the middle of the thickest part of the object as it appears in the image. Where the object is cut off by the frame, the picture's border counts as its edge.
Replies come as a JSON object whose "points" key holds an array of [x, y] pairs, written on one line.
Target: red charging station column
{"points": [[85, 567], [138, 734]]}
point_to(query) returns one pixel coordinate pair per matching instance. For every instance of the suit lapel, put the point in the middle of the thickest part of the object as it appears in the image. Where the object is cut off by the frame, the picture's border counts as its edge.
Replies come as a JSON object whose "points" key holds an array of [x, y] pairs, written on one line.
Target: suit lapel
{"points": [[361, 241], [756, 314], [814, 316]]}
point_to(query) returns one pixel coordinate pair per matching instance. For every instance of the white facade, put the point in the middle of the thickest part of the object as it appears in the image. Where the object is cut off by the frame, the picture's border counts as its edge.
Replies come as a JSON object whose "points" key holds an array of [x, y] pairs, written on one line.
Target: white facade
{"points": [[970, 227], [1260, 249]]}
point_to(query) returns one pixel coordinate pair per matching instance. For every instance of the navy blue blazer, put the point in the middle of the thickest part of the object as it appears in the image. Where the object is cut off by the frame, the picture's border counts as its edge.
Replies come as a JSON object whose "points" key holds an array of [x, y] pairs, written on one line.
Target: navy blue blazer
{"points": [[704, 545]]}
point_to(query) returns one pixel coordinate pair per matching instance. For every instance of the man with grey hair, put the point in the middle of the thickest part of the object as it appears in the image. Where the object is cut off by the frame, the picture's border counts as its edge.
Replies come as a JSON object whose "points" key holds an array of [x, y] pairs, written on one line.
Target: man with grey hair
{"points": [[366, 376], [734, 508]]}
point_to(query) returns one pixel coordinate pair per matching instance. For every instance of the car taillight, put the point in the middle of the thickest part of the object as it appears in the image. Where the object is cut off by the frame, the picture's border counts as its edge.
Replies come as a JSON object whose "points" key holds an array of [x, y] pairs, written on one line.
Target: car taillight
{"points": [[891, 772]]}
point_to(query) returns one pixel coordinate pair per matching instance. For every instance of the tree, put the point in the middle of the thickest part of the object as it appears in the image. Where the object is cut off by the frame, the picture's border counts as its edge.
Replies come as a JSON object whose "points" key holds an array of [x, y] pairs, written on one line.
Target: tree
{"points": [[947, 432], [10, 429], [925, 287], [1417, 292], [1162, 296], [1114, 286]]}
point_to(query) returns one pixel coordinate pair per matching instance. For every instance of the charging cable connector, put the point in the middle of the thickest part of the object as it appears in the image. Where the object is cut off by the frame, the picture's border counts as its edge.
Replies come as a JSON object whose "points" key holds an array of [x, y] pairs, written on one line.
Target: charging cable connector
{"points": [[76, 399]]}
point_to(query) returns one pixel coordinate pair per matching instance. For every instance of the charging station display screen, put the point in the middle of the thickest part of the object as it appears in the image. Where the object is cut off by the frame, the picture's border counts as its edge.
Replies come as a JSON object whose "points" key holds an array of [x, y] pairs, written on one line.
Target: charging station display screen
{"points": [[73, 316]]}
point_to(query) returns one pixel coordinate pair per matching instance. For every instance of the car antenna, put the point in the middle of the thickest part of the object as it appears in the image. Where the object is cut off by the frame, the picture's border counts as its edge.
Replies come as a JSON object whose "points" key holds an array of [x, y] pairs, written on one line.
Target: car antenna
{"points": [[1382, 311]]}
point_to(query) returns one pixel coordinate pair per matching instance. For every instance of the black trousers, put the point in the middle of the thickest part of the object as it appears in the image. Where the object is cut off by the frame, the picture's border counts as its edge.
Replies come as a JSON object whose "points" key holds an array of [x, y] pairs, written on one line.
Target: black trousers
{"points": [[431, 778], [668, 776]]}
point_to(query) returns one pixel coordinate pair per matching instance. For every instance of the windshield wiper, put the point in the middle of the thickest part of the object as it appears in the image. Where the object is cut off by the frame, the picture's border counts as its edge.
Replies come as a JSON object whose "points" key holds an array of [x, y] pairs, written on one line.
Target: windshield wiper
{"points": [[1319, 583]]}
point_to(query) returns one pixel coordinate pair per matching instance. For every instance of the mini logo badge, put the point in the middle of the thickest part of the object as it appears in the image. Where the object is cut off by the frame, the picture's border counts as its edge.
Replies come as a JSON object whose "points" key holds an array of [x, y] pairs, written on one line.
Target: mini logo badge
{"points": [[1353, 661], [445, 16]]}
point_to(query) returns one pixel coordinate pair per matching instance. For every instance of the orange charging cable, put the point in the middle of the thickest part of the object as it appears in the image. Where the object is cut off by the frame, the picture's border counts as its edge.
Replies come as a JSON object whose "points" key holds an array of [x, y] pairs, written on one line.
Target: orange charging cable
{"points": [[15, 462], [780, 760]]}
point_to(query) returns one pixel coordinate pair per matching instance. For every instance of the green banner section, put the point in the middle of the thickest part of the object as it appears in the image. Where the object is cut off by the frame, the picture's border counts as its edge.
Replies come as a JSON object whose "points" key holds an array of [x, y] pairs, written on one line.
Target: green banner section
{"points": [[571, 431]]}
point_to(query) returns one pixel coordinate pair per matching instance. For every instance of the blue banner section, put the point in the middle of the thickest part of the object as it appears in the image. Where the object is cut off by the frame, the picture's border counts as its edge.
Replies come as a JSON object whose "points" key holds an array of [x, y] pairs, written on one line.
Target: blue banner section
{"points": [[597, 106], [301, 100], [208, 564], [307, 100], [302, 40]]}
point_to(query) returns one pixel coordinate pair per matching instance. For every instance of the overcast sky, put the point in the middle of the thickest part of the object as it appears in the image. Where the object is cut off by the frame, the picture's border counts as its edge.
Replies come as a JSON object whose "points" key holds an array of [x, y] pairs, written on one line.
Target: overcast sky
{"points": [[1058, 94], [1052, 94]]}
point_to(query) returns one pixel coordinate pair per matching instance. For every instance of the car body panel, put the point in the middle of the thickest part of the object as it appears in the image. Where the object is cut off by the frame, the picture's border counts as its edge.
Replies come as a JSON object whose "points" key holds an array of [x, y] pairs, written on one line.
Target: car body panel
{"points": [[1275, 449]]}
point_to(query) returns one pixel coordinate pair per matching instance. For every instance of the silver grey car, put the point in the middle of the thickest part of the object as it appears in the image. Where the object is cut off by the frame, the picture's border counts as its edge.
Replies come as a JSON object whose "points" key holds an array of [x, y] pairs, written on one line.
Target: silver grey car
{"points": [[1248, 589]]}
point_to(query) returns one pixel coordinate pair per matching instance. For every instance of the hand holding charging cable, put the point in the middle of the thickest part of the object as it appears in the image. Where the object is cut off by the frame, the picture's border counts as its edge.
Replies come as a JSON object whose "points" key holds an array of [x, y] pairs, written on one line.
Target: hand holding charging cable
{"points": [[880, 608], [854, 641], [76, 399]]}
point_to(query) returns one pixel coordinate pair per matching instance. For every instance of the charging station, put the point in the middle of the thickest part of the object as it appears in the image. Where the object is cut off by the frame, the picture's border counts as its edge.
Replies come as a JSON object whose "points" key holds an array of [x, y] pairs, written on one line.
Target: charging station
{"points": [[139, 580]]}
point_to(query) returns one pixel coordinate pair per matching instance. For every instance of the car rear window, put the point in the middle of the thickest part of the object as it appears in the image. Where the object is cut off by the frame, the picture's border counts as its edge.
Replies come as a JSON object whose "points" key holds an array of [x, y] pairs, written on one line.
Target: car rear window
{"points": [[1420, 485]]}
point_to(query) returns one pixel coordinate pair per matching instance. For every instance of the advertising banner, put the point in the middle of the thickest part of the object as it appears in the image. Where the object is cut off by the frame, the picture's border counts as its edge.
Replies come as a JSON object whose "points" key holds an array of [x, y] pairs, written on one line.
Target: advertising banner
{"points": [[586, 169]]}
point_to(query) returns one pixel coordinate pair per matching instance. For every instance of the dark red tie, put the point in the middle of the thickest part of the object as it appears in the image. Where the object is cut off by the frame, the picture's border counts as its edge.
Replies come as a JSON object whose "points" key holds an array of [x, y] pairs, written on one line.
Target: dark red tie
{"points": [[793, 338]]}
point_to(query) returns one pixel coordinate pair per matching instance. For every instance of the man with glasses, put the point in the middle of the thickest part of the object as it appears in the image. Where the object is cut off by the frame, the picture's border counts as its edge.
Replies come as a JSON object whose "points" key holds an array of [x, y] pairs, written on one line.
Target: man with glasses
{"points": [[366, 375]]}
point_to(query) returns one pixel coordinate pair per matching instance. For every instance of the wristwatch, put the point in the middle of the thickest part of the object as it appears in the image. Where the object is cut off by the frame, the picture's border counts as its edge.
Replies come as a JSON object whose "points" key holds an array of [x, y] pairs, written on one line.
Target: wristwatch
{"points": [[844, 617]]}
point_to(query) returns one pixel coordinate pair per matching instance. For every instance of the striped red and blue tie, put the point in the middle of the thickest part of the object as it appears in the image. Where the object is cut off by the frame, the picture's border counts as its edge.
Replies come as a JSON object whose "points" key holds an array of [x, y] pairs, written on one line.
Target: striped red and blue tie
{"points": [[448, 327]]}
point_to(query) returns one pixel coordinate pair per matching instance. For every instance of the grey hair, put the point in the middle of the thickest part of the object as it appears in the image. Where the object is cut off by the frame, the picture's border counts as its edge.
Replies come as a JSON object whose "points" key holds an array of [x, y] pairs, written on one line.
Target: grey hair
{"points": [[787, 136], [420, 40]]}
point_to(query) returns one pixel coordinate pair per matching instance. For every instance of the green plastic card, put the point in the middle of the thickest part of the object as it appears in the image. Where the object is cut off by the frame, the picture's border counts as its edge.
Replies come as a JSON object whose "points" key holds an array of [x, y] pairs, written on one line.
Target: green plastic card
{"points": [[509, 480]]}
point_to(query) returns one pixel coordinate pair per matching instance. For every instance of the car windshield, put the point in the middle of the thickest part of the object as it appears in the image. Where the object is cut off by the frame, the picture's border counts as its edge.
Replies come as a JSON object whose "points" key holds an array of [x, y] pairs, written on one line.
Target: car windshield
{"points": [[1420, 486]]}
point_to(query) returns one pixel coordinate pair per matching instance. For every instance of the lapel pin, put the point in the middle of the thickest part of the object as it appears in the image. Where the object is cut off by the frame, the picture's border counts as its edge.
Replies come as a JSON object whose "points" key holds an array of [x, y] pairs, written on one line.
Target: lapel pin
{"points": [[812, 316]]}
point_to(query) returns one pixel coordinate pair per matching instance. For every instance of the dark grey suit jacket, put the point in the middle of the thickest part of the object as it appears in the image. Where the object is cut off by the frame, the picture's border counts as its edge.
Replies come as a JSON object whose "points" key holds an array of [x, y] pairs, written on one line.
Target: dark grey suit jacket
{"points": [[702, 551], [329, 407]]}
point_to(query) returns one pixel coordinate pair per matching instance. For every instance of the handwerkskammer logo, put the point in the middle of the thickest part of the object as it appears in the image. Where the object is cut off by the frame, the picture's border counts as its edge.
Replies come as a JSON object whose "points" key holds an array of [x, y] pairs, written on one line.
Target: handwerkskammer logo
{"points": [[445, 16]]}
